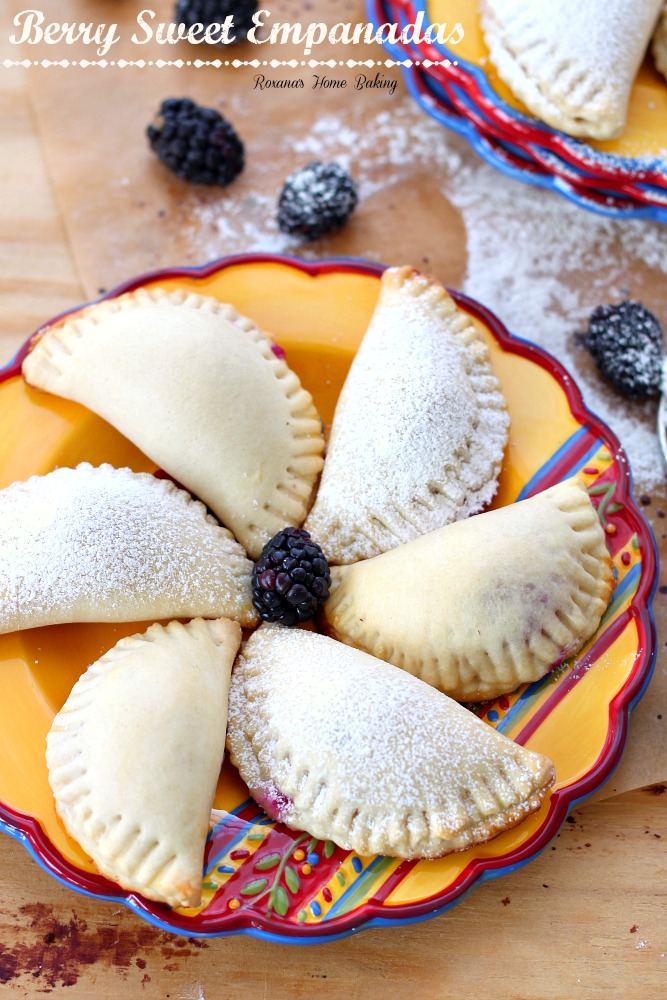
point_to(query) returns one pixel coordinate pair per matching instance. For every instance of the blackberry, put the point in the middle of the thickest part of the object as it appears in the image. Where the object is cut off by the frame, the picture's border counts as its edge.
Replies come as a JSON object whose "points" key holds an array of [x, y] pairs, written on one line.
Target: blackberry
{"points": [[291, 577], [207, 12], [626, 342], [317, 199], [196, 143]]}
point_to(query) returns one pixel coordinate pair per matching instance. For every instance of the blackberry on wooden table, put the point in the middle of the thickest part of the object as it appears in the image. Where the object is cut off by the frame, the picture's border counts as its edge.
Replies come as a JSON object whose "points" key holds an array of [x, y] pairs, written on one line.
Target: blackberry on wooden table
{"points": [[196, 143], [316, 199]]}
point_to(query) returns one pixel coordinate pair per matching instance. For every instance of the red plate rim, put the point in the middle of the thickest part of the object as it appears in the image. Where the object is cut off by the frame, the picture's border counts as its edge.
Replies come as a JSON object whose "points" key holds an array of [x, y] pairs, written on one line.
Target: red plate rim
{"points": [[614, 202], [545, 158]]}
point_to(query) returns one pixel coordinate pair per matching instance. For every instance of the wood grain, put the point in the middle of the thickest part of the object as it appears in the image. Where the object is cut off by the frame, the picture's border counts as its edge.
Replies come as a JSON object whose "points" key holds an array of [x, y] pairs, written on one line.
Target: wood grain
{"points": [[588, 918], [125, 214], [37, 274]]}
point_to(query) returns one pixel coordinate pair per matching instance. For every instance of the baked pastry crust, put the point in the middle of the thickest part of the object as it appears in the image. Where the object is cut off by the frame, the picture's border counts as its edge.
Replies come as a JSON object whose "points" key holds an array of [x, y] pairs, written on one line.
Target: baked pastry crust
{"points": [[483, 605], [98, 544], [572, 64], [135, 752], [199, 389], [659, 44], [334, 742], [419, 430]]}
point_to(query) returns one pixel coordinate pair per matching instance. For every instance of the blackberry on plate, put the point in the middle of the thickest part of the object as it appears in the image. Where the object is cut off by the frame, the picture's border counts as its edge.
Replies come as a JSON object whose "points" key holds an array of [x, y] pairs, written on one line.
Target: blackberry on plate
{"points": [[207, 12], [196, 143], [626, 342], [291, 578], [317, 199]]}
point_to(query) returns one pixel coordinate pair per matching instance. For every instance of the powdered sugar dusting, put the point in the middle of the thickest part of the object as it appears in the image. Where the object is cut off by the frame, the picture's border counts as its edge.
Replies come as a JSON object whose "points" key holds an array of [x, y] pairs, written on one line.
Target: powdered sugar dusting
{"points": [[541, 264], [568, 64], [419, 430], [104, 544], [366, 754]]}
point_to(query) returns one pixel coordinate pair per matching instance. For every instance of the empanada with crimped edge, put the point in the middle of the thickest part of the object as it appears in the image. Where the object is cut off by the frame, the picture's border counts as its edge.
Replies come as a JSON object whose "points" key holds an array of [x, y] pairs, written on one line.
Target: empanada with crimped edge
{"points": [[346, 747], [135, 752], [572, 64], [98, 544], [202, 392], [483, 605], [419, 430]]}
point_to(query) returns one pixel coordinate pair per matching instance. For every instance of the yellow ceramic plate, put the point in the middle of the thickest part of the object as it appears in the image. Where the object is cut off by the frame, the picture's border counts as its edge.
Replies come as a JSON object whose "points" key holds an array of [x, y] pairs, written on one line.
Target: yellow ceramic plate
{"points": [[260, 877]]}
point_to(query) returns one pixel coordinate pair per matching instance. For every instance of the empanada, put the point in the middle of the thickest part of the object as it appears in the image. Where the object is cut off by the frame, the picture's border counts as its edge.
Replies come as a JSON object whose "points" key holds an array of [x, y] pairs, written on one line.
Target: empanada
{"points": [[659, 45], [483, 605], [572, 64], [334, 742], [202, 392], [419, 430], [135, 752], [111, 545]]}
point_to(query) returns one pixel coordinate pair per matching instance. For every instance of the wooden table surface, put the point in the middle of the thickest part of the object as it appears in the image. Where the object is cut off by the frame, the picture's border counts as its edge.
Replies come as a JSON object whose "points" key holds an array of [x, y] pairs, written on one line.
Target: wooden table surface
{"points": [[586, 918]]}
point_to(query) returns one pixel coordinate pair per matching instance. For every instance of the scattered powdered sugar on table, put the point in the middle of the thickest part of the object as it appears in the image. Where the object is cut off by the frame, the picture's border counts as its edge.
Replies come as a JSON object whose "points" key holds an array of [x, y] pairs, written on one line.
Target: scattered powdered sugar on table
{"points": [[527, 248], [532, 281]]}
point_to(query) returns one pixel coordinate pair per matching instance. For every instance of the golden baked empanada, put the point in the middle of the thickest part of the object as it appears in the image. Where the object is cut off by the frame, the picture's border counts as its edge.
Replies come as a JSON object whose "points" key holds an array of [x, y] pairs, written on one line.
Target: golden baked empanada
{"points": [[334, 742], [419, 430], [572, 64], [483, 605], [135, 752], [202, 392], [111, 545]]}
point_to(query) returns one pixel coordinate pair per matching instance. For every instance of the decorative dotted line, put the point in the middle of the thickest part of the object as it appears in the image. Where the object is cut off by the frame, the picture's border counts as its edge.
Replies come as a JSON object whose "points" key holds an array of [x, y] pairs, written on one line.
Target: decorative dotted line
{"points": [[218, 63]]}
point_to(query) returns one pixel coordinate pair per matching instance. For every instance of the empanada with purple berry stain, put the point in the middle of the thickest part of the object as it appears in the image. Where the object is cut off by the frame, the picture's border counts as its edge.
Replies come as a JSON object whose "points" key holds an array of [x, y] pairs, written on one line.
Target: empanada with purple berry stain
{"points": [[483, 605], [350, 749]]}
